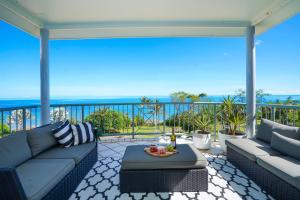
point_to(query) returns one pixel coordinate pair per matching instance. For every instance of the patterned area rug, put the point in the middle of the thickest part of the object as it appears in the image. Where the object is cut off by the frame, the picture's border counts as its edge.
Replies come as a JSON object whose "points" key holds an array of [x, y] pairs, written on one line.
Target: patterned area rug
{"points": [[225, 181]]}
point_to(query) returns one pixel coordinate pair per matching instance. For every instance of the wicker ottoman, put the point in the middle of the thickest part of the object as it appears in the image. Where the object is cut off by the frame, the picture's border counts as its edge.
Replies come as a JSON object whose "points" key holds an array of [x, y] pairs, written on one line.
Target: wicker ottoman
{"points": [[183, 172]]}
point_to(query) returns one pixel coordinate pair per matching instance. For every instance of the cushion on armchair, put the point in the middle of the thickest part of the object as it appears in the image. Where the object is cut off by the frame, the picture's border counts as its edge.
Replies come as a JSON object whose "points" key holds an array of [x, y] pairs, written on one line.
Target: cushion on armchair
{"points": [[14, 149], [77, 153], [266, 128], [41, 138], [39, 176], [285, 145]]}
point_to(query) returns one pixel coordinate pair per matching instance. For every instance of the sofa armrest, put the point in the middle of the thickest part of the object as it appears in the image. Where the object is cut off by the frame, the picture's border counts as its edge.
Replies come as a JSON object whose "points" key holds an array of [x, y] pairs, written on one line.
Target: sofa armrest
{"points": [[10, 185], [95, 131]]}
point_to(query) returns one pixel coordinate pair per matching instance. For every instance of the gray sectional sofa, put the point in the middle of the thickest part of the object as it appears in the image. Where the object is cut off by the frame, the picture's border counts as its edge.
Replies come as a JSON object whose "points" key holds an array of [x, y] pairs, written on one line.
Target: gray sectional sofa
{"points": [[271, 159], [33, 166]]}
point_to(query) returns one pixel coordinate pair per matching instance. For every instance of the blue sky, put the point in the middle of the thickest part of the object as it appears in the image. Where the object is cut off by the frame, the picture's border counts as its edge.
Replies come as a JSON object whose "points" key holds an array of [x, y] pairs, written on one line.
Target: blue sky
{"points": [[149, 66]]}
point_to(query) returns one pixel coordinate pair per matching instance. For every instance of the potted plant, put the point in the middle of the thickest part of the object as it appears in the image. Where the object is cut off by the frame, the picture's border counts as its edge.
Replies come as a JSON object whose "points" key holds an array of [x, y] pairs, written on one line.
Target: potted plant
{"points": [[202, 122], [233, 117]]}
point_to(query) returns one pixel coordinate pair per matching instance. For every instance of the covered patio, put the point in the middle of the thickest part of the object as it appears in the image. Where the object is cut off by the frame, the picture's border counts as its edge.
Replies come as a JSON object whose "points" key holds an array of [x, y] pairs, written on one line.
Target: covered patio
{"points": [[61, 20], [92, 19]]}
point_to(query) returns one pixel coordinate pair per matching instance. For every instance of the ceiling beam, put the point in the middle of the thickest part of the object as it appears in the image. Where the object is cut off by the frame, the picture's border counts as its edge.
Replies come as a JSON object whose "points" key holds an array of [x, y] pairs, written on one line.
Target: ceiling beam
{"points": [[275, 14], [17, 16]]}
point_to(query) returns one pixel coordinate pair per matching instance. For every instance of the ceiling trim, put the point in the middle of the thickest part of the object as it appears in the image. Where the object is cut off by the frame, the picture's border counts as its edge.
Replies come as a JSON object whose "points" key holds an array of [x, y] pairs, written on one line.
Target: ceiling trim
{"points": [[137, 32], [275, 13], [17, 16]]}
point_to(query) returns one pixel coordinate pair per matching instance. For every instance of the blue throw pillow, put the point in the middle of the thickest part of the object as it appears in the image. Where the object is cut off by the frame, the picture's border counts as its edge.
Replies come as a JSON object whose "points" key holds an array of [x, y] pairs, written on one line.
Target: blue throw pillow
{"points": [[63, 134]]}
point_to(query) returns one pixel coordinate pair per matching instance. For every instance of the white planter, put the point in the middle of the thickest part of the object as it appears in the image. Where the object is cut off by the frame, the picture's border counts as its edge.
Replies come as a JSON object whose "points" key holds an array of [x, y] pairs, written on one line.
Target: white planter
{"points": [[223, 137], [201, 141]]}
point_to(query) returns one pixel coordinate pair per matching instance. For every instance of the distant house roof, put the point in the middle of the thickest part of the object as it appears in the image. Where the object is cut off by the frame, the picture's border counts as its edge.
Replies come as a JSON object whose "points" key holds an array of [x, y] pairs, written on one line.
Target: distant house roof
{"points": [[75, 19]]}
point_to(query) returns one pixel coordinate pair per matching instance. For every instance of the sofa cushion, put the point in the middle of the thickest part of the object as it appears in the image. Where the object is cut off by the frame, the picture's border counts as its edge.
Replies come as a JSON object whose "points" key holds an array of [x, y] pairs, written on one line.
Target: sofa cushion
{"points": [[285, 145], [251, 148], [74, 152], [39, 176], [41, 138], [187, 158], [264, 131], [14, 149], [284, 167]]}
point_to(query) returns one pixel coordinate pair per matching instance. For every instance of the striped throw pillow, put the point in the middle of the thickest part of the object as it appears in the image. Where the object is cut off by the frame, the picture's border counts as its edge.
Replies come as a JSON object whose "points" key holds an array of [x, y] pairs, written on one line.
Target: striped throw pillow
{"points": [[63, 134], [82, 133]]}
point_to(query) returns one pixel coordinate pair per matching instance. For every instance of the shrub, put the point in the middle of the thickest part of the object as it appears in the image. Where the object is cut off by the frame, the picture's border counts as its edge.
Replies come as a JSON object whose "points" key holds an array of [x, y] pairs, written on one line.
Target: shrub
{"points": [[109, 121], [5, 129]]}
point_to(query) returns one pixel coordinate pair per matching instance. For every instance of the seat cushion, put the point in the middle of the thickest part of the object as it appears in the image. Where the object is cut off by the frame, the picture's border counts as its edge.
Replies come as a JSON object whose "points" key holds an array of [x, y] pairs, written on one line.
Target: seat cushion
{"points": [[285, 145], [41, 138], [77, 153], [284, 167], [39, 176], [187, 158], [14, 149], [251, 148], [266, 128]]}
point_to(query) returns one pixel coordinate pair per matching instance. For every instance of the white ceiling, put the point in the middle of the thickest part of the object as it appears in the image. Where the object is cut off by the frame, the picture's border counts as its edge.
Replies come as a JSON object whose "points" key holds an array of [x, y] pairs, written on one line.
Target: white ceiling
{"points": [[71, 19]]}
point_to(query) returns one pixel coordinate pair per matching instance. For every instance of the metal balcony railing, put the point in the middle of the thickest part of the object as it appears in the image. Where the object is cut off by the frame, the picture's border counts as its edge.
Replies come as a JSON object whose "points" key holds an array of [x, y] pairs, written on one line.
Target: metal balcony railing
{"points": [[138, 118]]}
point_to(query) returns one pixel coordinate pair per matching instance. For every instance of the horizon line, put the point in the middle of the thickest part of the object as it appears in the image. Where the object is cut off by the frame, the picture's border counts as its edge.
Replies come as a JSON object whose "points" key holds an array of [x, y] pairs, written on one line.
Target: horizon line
{"points": [[116, 97]]}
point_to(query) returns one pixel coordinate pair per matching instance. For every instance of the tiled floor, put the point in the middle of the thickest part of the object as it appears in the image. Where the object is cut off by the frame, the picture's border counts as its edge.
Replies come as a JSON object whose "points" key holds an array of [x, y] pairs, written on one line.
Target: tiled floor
{"points": [[225, 181]]}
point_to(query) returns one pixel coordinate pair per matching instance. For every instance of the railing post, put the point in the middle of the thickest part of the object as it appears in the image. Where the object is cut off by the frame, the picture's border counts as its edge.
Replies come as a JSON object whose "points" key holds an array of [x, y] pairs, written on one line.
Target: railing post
{"points": [[17, 120], [2, 124], [132, 118], [294, 118], [24, 118], [164, 118], [82, 113], [273, 113], [215, 122]]}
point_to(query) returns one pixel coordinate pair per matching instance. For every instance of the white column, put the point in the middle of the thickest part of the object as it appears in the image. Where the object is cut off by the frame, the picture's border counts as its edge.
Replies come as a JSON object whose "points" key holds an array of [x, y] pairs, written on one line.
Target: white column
{"points": [[250, 81], [44, 76]]}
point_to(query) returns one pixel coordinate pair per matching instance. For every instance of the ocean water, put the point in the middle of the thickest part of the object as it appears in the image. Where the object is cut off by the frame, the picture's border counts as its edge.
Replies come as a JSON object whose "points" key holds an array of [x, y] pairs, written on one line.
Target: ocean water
{"points": [[6, 103]]}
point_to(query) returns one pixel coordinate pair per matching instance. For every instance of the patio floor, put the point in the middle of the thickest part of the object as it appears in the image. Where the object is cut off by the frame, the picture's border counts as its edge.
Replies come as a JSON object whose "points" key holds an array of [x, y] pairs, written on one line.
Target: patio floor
{"points": [[225, 181]]}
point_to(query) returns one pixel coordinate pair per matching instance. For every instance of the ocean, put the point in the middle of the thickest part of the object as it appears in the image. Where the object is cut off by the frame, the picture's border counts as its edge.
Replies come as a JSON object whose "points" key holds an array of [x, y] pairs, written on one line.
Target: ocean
{"points": [[6, 103]]}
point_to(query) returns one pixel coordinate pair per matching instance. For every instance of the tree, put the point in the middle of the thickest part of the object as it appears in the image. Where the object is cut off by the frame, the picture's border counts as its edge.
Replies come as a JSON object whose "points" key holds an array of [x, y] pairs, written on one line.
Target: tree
{"points": [[139, 120], [151, 107], [196, 97], [260, 96], [179, 96], [58, 114], [289, 101], [145, 99], [16, 118], [240, 95]]}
